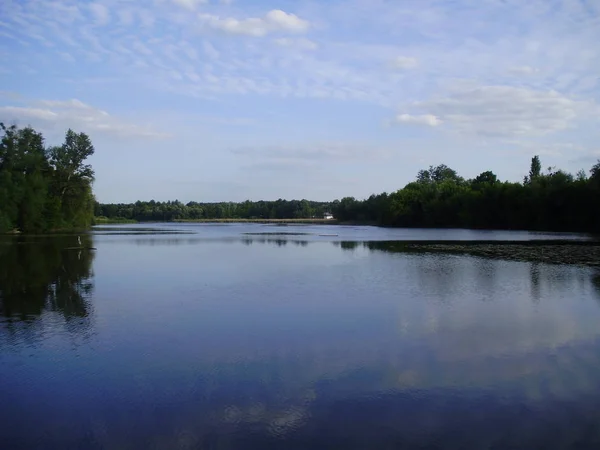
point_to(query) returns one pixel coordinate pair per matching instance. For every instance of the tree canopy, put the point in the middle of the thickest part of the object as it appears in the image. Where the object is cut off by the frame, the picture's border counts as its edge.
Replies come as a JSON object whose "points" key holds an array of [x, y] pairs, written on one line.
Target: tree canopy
{"points": [[44, 188]]}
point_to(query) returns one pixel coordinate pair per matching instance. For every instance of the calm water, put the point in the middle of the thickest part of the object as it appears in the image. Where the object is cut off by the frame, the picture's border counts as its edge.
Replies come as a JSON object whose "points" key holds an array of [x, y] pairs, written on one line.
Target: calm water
{"points": [[222, 336]]}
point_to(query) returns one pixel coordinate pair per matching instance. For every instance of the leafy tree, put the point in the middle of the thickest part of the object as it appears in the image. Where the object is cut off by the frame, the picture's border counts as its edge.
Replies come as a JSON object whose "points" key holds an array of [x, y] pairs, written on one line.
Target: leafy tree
{"points": [[535, 170], [23, 170], [595, 174], [42, 189], [438, 174], [488, 177]]}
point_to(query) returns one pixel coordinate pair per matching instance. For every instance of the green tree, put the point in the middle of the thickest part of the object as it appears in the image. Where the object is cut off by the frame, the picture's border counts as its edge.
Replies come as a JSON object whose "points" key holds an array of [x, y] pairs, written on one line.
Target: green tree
{"points": [[23, 178], [41, 188], [488, 177], [72, 179], [535, 170], [438, 174], [595, 174]]}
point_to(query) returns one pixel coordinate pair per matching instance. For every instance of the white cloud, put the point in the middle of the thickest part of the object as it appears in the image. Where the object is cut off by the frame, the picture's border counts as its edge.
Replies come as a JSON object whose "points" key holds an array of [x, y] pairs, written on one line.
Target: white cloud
{"points": [[72, 103], [274, 21], [189, 4], [341, 67], [67, 57], [297, 44], [210, 50], [424, 119], [100, 13], [77, 115], [313, 153], [10, 113], [535, 147], [141, 48], [523, 70], [404, 62], [125, 16], [147, 18], [506, 110]]}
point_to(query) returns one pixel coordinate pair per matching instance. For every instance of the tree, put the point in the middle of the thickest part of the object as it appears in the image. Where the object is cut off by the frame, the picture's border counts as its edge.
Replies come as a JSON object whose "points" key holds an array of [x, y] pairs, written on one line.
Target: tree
{"points": [[535, 170], [68, 160], [438, 174], [488, 177], [595, 174], [581, 176], [41, 188], [23, 178], [73, 178]]}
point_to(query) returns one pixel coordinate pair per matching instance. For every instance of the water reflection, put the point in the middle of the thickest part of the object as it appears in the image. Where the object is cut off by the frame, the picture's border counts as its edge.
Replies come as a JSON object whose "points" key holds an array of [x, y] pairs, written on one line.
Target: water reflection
{"points": [[596, 281], [534, 275], [46, 274], [348, 245], [258, 342]]}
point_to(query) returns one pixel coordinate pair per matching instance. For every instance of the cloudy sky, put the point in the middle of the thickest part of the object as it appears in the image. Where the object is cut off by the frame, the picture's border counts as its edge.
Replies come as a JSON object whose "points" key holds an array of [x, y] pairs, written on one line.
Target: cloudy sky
{"points": [[214, 100]]}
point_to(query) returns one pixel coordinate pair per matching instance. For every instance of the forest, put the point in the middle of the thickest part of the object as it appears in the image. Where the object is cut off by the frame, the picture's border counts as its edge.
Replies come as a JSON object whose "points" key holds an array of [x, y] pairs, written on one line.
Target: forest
{"points": [[44, 188], [546, 200]]}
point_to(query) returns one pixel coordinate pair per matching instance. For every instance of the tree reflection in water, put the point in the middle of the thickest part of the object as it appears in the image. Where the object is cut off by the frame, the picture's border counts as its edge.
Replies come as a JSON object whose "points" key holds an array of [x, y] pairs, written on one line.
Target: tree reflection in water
{"points": [[46, 274]]}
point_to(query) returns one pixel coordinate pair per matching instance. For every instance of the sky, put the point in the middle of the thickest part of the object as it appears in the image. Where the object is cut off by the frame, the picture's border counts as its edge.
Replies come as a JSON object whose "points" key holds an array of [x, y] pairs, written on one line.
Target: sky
{"points": [[228, 100]]}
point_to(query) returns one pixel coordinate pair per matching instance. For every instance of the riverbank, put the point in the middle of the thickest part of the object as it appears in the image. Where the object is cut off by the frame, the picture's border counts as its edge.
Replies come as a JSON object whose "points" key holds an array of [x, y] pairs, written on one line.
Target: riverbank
{"points": [[275, 221]]}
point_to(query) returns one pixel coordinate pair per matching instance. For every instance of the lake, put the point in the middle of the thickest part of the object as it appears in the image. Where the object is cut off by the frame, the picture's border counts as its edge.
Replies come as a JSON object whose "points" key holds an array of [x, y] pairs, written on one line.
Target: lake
{"points": [[247, 336]]}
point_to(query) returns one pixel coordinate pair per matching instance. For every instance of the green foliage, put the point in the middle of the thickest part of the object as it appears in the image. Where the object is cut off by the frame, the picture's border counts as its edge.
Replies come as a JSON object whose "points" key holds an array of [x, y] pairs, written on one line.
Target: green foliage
{"points": [[553, 201], [438, 174], [485, 178], [44, 189], [535, 170], [595, 175], [175, 210]]}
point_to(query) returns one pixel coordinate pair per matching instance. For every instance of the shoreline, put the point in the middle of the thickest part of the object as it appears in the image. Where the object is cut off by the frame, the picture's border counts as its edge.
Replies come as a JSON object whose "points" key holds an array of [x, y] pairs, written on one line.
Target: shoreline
{"points": [[276, 221]]}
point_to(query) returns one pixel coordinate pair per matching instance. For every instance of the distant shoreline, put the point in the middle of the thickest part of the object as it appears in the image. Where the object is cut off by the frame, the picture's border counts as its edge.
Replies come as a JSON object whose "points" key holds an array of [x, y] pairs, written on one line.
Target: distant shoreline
{"points": [[105, 221], [276, 221]]}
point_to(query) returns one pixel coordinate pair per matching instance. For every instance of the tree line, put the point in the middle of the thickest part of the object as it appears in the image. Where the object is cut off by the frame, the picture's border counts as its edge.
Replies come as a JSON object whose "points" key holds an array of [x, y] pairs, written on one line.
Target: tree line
{"points": [[552, 200], [176, 210], [44, 187]]}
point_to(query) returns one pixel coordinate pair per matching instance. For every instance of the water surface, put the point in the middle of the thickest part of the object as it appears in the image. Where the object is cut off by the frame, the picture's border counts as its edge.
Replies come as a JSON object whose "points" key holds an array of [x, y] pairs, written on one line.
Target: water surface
{"points": [[258, 336]]}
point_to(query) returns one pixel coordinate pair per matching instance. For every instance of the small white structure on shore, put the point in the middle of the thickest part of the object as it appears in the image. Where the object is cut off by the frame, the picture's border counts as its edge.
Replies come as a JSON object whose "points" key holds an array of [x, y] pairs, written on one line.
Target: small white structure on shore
{"points": [[327, 216]]}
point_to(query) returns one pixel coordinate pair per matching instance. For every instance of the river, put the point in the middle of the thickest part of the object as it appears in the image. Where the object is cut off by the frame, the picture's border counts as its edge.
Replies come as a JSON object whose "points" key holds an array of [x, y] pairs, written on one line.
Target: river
{"points": [[248, 336]]}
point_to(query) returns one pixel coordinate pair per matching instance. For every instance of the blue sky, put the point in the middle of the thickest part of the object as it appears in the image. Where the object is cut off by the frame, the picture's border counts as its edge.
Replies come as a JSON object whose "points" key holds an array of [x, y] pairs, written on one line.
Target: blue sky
{"points": [[214, 100]]}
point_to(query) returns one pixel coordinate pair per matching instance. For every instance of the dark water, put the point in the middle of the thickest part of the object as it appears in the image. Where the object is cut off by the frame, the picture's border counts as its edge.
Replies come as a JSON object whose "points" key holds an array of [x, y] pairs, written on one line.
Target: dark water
{"points": [[206, 337]]}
